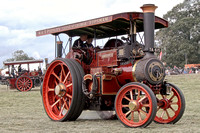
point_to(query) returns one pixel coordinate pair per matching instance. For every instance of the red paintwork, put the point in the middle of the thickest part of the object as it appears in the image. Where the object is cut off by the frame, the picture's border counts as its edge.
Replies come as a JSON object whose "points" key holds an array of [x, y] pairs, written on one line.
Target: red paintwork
{"points": [[12, 83], [110, 85], [116, 78], [24, 83], [128, 117], [126, 74], [31, 75], [105, 62], [107, 58], [34, 73], [94, 70], [169, 103], [49, 96], [89, 81]]}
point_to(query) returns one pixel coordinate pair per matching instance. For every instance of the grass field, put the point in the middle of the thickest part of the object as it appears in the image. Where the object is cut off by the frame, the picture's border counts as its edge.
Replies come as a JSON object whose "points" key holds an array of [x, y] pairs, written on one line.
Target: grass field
{"points": [[23, 112]]}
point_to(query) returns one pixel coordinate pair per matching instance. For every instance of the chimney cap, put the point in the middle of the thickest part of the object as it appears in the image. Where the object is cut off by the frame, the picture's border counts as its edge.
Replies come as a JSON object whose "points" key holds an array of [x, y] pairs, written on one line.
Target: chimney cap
{"points": [[148, 8]]}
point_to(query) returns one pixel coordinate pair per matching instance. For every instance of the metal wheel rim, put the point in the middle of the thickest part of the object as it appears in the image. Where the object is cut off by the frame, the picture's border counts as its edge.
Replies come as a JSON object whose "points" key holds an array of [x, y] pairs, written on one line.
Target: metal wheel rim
{"points": [[131, 122], [24, 83], [57, 107], [166, 116]]}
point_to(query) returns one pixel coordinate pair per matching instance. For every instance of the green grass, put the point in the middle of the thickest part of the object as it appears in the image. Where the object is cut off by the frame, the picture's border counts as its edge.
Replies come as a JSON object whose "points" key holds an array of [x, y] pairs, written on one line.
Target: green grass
{"points": [[23, 112]]}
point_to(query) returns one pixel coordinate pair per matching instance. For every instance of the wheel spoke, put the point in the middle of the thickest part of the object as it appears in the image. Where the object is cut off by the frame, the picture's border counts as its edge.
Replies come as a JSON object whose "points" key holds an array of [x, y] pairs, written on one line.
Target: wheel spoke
{"points": [[62, 70], [55, 103], [172, 109], [123, 106], [142, 99], [171, 97], [138, 98], [66, 77], [145, 105], [56, 76], [26, 80], [139, 115], [131, 94], [167, 114], [62, 108], [173, 103], [26, 86], [132, 116], [140, 110], [69, 85], [22, 80], [162, 114], [61, 75], [127, 113], [65, 103], [68, 95], [50, 89], [127, 98]]}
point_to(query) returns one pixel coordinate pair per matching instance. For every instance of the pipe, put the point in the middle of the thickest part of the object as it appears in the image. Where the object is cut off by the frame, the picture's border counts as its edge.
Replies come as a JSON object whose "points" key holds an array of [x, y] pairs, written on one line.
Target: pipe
{"points": [[149, 26], [59, 49], [46, 63]]}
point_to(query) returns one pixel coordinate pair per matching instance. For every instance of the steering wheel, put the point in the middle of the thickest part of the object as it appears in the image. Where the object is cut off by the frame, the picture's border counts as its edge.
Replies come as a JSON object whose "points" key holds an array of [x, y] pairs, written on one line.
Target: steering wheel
{"points": [[86, 54], [87, 57]]}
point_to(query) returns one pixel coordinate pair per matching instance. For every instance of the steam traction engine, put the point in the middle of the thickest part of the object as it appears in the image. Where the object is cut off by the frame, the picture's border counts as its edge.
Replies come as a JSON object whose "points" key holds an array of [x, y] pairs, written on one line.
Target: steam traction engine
{"points": [[23, 80], [124, 75]]}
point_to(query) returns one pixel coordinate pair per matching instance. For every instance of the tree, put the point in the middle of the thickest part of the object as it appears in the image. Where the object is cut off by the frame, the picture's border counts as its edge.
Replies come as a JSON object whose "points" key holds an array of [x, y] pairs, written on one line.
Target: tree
{"points": [[180, 42], [20, 55]]}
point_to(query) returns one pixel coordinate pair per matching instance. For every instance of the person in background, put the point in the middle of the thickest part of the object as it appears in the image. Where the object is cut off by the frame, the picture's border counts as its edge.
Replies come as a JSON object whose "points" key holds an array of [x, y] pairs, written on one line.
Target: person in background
{"points": [[39, 71], [79, 43], [13, 71], [19, 69]]}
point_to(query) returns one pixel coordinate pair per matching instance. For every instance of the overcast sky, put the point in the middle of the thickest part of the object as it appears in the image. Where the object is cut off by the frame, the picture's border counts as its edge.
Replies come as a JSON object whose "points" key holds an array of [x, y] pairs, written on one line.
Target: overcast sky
{"points": [[19, 19]]}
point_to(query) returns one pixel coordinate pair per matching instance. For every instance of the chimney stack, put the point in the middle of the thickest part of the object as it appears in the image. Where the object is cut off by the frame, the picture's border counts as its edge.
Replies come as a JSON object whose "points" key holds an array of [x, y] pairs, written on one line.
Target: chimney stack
{"points": [[149, 26], [59, 49]]}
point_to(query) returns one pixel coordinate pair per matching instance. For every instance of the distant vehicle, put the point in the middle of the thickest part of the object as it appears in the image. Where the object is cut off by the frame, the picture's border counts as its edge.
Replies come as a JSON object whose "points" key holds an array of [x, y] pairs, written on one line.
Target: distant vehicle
{"points": [[124, 75], [22, 80]]}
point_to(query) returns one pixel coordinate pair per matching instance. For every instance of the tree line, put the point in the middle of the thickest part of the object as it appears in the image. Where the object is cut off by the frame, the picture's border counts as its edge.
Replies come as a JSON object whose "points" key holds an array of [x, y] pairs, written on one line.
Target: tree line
{"points": [[18, 56], [180, 42]]}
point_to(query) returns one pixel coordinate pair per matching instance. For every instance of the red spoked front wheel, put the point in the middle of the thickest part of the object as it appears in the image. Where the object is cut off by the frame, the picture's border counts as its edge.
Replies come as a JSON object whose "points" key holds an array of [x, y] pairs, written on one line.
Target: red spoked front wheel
{"points": [[170, 106], [135, 105], [24, 83], [60, 91]]}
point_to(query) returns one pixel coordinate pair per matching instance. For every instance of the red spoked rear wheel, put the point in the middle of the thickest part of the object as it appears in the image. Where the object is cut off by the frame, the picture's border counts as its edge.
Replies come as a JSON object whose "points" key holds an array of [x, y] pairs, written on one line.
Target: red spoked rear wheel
{"points": [[170, 107], [24, 83], [135, 105], [60, 90]]}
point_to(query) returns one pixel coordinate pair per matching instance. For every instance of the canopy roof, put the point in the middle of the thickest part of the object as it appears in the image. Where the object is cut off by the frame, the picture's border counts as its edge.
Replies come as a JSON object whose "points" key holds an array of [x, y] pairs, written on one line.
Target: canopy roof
{"points": [[23, 62], [108, 26]]}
